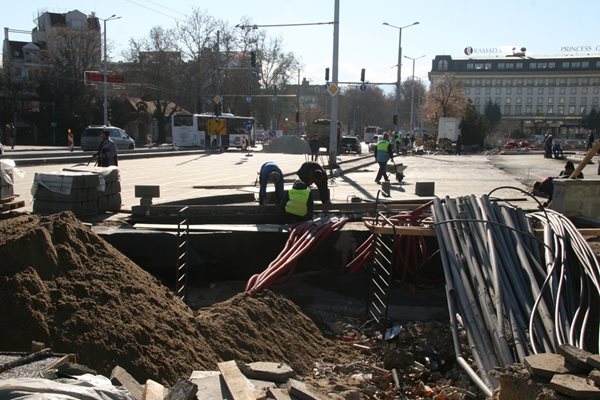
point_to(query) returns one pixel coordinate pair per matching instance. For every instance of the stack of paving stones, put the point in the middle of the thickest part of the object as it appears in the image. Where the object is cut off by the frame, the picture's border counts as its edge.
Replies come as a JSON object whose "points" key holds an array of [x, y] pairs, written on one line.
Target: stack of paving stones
{"points": [[66, 191], [573, 373], [109, 190], [6, 181]]}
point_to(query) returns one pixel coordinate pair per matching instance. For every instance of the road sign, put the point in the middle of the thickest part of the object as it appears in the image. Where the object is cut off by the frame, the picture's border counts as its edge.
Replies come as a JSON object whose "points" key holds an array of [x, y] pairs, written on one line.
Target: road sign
{"points": [[217, 99], [333, 89], [248, 126], [248, 99], [216, 127], [363, 87], [94, 76]]}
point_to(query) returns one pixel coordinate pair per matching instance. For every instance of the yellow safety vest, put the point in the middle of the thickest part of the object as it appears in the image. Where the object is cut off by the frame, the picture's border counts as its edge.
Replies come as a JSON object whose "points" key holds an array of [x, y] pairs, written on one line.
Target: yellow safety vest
{"points": [[382, 151], [298, 202]]}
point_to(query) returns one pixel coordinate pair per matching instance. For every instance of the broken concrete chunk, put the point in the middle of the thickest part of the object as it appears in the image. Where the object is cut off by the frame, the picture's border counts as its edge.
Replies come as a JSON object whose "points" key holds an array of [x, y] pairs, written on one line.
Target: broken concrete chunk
{"points": [[154, 391], [302, 390], [575, 356], [546, 365], [269, 371], [119, 376], [595, 376], [183, 390], [203, 374], [212, 387], [278, 394], [577, 387], [73, 369], [594, 361]]}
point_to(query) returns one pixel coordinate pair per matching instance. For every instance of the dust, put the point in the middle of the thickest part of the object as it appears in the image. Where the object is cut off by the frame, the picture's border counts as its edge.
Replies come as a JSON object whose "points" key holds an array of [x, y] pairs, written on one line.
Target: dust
{"points": [[63, 285]]}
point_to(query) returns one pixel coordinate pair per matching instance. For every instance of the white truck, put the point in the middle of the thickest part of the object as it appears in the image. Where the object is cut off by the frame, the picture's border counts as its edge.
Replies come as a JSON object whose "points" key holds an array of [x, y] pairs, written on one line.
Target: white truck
{"points": [[448, 128], [370, 131]]}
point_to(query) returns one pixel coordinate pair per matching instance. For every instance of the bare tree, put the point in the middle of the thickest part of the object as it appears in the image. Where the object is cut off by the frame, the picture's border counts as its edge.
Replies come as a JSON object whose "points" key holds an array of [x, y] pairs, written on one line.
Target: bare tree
{"points": [[445, 99]]}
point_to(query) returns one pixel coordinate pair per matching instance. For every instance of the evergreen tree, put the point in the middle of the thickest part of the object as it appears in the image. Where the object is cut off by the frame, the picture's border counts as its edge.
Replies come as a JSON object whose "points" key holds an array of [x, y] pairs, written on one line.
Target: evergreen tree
{"points": [[492, 113], [474, 127]]}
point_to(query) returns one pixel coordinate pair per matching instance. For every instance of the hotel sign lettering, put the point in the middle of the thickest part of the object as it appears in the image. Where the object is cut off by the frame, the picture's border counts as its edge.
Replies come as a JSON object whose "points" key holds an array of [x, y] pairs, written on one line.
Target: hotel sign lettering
{"points": [[580, 49]]}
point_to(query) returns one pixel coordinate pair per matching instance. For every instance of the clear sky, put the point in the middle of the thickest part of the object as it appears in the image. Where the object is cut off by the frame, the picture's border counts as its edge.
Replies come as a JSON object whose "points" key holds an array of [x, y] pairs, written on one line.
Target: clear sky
{"points": [[544, 27]]}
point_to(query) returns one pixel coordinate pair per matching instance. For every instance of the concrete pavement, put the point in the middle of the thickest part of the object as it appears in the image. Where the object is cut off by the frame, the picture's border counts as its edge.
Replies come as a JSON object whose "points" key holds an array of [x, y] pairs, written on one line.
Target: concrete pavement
{"points": [[452, 175]]}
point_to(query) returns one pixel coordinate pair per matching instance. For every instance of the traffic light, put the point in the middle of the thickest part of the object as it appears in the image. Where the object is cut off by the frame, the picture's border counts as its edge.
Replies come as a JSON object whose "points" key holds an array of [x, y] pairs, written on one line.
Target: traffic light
{"points": [[326, 74], [362, 75], [253, 59]]}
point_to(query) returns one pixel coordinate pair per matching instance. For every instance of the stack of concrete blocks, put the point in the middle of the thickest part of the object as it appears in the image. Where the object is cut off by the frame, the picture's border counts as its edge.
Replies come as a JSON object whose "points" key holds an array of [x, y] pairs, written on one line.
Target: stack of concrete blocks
{"points": [[66, 191], [6, 179], [109, 188]]}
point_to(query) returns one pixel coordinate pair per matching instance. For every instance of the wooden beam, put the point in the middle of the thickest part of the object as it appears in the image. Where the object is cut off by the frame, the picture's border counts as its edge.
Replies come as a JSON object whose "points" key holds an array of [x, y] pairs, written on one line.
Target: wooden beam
{"points": [[585, 160]]}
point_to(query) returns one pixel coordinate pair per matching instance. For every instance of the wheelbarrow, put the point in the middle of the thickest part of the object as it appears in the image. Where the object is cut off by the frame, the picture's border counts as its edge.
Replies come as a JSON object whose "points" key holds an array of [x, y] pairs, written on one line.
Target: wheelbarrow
{"points": [[396, 169]]}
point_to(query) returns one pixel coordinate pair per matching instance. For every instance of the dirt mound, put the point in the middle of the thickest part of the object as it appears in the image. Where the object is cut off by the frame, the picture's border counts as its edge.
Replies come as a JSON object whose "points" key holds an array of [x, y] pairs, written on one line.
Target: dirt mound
{"points": [[63, 285], [288, 145], [266, 328]]}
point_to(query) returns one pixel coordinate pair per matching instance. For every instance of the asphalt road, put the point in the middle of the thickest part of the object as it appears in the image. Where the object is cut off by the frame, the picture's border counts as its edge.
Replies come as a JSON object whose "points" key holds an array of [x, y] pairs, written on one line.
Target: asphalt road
{"points": [[236, 172]]}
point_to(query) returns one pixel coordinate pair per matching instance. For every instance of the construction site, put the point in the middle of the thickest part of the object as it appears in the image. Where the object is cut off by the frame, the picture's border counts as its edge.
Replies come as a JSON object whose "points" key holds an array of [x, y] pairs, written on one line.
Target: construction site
{"points": [[165, 279]]}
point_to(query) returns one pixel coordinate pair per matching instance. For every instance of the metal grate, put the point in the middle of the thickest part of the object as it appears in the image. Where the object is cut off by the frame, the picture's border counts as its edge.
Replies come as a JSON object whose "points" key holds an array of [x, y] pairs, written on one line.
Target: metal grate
{"points": [[182, 264], [381, 274]]}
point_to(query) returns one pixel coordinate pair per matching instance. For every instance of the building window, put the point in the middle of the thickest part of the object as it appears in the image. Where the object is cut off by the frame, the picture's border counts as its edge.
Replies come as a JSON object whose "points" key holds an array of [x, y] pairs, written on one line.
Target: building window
{"points": [[585, 64], [469, 65], [518, 110], [529, 90], [519, 100], [596, 90], [508, 90], [467, 91], [477, 82], [565, 65], [507, 100], [550, 100], [443, 65], [529, 82], [519, 82], [595, 101], [561, 110], [540, 100], [498, 91], [584, 90], [508, 82], [530, 100], [478, 66], [467, 82], [571, 110], [488, 82], [477, 100], [572, 100], [529, 109], [582, 109], [550, 110], [573, 90], [541, 90], [539, 109], [519, 91], [532, 65], [562, 90], [551, 65], [478, 91], [507, 109], [551, 82], [562, 82], [575, 64], [497, 100], [488, 90], [551, 90], [501, 65], [584, 100], [488, 66], [539, 82], [519, 66], [561, 100]]}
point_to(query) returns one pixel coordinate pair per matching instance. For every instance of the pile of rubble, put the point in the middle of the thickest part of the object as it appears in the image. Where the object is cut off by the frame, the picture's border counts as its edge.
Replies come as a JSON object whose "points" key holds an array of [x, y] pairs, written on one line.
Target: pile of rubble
{"points": [[288, 145]]}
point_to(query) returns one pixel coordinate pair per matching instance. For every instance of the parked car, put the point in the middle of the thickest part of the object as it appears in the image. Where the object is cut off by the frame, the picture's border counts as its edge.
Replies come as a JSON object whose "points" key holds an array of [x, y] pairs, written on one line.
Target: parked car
{"points": [[90, 138], [350, 144]]}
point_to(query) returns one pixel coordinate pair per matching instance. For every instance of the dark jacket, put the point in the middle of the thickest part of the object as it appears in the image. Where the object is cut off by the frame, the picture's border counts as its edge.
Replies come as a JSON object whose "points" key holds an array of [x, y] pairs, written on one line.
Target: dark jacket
{"points": [[263, 179], [306, 174], [298, 184], [107, 153]]}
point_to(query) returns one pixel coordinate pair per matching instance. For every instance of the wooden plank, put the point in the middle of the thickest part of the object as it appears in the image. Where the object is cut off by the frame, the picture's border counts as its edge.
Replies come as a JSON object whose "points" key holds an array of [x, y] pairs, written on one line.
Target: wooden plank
{"points": [[239, 386], [401, 230], [594, 150], [12, 205]]}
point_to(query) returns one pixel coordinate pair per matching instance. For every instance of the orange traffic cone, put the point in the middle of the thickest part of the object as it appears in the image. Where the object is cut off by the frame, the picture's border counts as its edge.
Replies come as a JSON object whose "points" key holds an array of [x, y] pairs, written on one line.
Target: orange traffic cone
{"points": [[149, 140], [70, 139]]}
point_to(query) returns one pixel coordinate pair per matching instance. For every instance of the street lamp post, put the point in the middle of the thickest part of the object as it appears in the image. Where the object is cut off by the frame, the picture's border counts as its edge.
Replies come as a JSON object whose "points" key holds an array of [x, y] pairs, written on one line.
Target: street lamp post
{"points": [[105, 70], [399, 66], [412, 93]]}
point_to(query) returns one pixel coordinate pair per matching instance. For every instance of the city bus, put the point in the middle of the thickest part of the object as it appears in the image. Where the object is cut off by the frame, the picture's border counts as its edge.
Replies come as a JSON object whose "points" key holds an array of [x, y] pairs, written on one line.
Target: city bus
{"points": [[207, 130]]}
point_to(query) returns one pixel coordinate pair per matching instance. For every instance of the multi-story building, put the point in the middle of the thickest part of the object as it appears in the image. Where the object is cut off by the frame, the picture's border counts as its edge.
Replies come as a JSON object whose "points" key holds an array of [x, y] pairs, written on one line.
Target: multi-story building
{"points": [[538, 94]]}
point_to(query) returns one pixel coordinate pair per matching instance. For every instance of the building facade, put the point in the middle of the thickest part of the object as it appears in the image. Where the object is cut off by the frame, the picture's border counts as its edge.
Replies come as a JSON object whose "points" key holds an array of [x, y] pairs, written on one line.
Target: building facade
{"points": [[537, 94]]}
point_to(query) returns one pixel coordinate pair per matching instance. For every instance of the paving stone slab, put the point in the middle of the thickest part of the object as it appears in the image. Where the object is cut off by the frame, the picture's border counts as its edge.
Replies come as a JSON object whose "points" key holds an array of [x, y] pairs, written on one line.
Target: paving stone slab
{"points": [[546, 365], [270, 371], [575, 356], [577, 387]]}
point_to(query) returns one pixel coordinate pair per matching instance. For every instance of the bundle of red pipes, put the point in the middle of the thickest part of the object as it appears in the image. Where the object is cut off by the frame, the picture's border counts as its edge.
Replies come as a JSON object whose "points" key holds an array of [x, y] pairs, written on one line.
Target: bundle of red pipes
{"points": [[303, 237], [411, 251]]}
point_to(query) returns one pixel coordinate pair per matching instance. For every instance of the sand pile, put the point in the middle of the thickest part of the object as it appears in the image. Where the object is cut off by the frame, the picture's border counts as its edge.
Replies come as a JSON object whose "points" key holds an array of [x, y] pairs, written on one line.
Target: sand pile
{"points": [[63, 285], [268, 325], [288, 145]]}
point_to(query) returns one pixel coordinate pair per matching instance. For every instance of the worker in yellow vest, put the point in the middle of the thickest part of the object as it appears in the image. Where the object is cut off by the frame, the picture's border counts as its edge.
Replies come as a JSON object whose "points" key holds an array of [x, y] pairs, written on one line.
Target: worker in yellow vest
{"points": [[298, 202], [383, 152]]}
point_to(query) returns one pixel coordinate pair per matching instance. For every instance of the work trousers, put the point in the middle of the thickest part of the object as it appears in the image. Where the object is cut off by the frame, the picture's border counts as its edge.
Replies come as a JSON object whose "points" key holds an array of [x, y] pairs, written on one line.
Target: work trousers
{"points": [[382, 173]]}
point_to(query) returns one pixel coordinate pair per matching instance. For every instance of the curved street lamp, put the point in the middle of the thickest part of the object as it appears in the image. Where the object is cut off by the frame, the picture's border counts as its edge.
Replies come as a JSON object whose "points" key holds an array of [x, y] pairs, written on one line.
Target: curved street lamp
{"points": [[399, 66]]}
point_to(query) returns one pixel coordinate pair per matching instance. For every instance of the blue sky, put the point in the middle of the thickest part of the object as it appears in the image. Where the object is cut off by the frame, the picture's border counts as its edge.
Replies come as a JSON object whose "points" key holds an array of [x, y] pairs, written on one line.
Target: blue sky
{"points": [[445, 27]]}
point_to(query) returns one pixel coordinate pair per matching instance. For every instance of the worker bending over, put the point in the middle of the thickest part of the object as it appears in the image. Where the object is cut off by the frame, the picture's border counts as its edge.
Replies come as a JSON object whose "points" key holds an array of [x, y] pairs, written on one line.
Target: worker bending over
{"points": [[312, 172], [298, 202], [270, 172]]}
